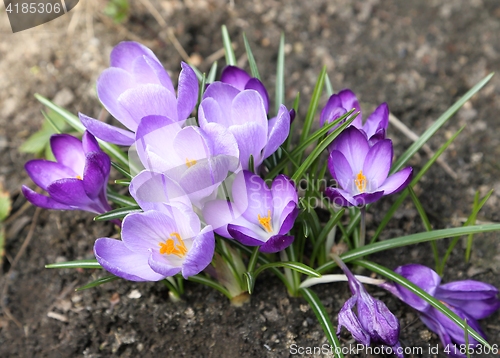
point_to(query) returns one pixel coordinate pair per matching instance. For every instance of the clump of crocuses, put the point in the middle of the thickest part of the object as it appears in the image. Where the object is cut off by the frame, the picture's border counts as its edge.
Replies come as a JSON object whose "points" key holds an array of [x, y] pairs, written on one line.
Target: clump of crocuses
{"points": [[77, 180], [471, 300]]}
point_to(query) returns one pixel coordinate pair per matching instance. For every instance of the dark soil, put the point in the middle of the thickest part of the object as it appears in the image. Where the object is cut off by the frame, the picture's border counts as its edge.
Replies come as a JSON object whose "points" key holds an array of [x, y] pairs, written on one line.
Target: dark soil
{"points": [[418, 56]]}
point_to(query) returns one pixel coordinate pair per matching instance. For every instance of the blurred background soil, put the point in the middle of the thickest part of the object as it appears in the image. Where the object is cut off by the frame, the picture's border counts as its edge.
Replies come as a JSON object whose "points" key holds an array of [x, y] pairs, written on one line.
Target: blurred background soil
{"points": [[419, 56]]}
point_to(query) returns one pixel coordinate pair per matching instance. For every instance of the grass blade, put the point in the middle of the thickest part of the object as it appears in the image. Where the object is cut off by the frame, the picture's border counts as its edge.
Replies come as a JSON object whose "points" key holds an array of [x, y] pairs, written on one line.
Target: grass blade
{"points": [[86, 264], [228, 47], [251, 60], [280, 75], [211, 75], [119, 213], [98, 282]]}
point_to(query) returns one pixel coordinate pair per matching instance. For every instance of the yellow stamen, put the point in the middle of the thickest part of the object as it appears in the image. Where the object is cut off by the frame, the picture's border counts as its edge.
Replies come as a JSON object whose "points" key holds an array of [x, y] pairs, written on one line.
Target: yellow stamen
{"points": [[360, 181], [79, 177], [265, 221], [190, 163], [169, 247]]}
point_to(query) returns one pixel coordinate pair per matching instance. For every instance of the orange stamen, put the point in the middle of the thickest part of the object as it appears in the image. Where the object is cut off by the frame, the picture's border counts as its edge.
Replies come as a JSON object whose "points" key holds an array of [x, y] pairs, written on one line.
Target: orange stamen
{"points": [[190, 163], [360, 181], [79, 177], [169, 247], [265, 221]]}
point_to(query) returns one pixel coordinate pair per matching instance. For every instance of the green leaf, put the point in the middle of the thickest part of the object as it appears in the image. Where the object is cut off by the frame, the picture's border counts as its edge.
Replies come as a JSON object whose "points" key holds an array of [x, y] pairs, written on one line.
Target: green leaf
{"points": [[5, 204], [400, 280], [328, 86], [98, 282], [121, 200], [408, 240], [324, 233], [313, 105], [119, 213], [125, 182], [296, 266], [251, 60], [324, 320], [280, 75], [437, 124], [122, 170], [228, 47], [211, 76], [210, 283], [74, 121], [86, 264]]}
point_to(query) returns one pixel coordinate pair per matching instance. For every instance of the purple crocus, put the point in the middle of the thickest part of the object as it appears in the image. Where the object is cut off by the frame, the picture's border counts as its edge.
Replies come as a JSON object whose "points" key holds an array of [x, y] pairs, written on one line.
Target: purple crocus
{"points": [[158, 244], [257, 215], [76, 181], [374, 322], [471, 300], [198, 159], [135, 86], [376, 124], [361, 170], [241, 80], [243, 113]]}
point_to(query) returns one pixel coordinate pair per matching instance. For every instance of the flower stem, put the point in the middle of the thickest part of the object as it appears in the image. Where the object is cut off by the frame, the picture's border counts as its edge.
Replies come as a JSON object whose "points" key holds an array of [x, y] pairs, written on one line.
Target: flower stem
{"points": [[362, 227]]}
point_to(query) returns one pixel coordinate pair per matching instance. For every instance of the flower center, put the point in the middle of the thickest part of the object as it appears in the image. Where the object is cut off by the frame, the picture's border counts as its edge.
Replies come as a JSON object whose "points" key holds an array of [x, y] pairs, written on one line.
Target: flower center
{"points": [[265, 221], [173, 246], [190, 163], [79, 177], [360, 181]]}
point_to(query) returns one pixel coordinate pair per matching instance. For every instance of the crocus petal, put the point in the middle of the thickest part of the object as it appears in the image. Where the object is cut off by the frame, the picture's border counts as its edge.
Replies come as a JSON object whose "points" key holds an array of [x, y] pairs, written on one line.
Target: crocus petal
{"points": [[377, 164], [422, 276], [341, 170], [247, 236], [44, 172], [200, 254], [283, 192], [187, 92], [287, 221], [162, 76], [125, 53], [354, 145], [397, 181], [44, 201], [160, 265], [332, 110], [278, 132], [339, 197], [251, 139], [210, 112], [96, 173], [259, 196], [257, 85], [248, 107], [146, 100], [222, 93], [347, 319], [235, 76], [110, 85], [153, 190], [377, 320], [276, 243], [107, 132], [89, 143], [68, 151], [378, 120], [219, 213], [349, 101], [116, 258], [71, 191]]}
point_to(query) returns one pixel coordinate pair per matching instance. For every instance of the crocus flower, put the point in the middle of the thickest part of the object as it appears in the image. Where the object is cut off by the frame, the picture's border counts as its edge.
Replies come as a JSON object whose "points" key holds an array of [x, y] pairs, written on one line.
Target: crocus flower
{"points": [[373, 323], [361, 170], [135, 86], [257, 215], [469, 299], [76, 181], [158, 244], [198, 159], [376, 124], [243, 113]]}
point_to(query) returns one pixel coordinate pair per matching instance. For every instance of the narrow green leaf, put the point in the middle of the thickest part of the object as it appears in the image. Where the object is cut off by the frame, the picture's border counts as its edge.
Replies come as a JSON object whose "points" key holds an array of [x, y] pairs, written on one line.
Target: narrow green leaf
{"points": [[409, 240], [420, 293], [196, 71], [328, 86], [472, 221], [122, 170], [119, 213], [250, 281], [121, 200], [211, 75], [125, 182], [296, 266], [201, 90], [98, 282], [210, 283], [438, 124], [313, 105], [74, 121], [280, 75], [324, 320], [228, 47], [324, 233], [86, 264], [251, 60]]}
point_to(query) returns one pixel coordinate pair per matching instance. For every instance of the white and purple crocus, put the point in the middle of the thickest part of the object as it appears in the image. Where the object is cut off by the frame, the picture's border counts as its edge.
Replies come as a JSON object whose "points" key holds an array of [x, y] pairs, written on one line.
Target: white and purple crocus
{"points": [[362, 171], [76, 181], [257, 215], [471, 300], [135, 86]]}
